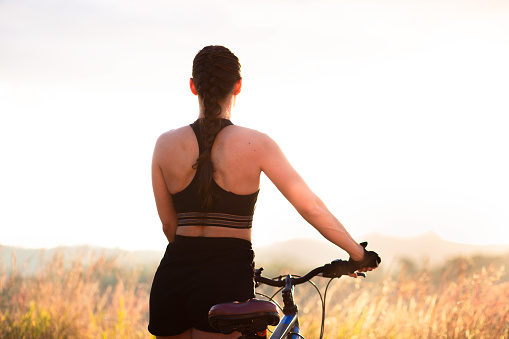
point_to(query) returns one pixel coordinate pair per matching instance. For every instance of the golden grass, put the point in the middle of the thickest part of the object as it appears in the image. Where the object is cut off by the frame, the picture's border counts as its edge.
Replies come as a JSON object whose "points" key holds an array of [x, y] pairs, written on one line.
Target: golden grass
{"points": [[73, 301], [465, 305]]}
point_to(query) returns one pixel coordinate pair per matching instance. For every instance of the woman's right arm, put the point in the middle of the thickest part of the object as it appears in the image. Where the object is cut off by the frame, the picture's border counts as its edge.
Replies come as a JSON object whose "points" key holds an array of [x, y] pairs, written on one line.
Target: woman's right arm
{"points": [[164, 202], [279, 170]]}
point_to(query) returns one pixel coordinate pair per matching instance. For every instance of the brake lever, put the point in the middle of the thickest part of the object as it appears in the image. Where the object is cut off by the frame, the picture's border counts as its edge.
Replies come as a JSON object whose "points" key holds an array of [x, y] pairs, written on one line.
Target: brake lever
{"points": [[258, 273]]}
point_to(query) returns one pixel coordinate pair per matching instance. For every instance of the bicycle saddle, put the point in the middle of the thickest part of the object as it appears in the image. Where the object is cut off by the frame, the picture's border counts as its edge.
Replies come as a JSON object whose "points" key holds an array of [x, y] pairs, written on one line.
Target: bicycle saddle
{"points": [[252, 315]]}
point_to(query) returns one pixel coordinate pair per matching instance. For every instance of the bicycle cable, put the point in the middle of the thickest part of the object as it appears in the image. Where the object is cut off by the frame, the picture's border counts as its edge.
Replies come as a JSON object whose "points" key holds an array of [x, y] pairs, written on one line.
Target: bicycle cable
{"points": [[271, 298], [322, 328], [322, 299]]}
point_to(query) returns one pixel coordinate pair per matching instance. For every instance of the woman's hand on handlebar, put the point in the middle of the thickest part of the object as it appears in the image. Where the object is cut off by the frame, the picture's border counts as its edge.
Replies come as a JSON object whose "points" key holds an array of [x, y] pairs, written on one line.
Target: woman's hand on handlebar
{"points": [[370, 262]]}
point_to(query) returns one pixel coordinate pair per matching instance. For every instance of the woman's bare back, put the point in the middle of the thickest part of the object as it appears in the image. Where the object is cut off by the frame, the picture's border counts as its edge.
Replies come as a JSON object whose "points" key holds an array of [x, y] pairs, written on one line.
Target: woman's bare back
{"points": [[235, 156]]}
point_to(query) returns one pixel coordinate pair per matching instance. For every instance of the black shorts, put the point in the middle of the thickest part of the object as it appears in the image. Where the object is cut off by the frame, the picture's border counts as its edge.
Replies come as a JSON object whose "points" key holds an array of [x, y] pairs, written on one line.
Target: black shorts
{"points": [[195, 274]]}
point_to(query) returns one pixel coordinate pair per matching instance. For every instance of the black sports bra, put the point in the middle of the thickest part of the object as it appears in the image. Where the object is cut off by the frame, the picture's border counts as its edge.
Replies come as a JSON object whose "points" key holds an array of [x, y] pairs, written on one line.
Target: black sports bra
{"points": [[228, 209]]}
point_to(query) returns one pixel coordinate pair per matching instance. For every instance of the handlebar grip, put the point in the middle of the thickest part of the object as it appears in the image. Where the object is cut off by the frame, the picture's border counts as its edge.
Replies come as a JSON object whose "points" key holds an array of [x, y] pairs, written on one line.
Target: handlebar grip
{"points": [[337, 268]]}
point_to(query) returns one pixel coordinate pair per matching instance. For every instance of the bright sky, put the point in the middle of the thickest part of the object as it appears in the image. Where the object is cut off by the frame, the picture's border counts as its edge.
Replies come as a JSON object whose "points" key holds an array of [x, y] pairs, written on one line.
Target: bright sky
{"points": [[395, 112]]}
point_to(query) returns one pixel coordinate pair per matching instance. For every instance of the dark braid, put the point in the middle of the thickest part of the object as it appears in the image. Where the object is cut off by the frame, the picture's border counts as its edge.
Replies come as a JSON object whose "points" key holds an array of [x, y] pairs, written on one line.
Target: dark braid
{"points": [[216, 70]]}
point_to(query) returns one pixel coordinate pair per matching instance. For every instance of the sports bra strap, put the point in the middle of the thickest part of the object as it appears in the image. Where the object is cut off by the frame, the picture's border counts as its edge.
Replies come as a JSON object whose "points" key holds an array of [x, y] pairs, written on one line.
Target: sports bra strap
{"points": [[197, 127]]}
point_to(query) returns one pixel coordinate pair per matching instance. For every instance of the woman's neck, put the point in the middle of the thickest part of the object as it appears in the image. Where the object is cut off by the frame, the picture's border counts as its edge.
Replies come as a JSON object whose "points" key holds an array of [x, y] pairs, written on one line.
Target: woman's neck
{"points": [[226, 107]]}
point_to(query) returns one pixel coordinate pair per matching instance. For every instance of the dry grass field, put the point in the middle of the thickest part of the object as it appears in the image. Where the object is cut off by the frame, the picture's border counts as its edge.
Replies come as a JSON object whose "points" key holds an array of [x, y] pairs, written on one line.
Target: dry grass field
{"points": [[101, 300]]}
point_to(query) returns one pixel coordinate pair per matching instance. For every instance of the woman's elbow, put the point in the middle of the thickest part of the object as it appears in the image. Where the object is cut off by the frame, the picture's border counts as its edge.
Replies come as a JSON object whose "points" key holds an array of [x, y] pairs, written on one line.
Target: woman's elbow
{"points": [[313, 211], [169, 231]]}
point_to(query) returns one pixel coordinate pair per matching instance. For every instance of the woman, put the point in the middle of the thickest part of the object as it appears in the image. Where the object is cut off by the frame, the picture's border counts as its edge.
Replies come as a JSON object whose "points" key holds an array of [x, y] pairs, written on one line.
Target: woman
{"points": [[206, 178]]}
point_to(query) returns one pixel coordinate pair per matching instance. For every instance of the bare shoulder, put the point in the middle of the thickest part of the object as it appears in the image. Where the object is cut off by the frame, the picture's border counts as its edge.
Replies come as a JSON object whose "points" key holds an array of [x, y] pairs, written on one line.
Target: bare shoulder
{"points": [[173, 134], [247, 136], [174, 139]]}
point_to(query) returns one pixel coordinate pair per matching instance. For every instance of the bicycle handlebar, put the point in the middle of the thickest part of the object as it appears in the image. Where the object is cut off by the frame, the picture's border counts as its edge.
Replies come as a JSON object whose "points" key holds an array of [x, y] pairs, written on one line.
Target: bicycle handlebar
{"points": [[335, 269]]}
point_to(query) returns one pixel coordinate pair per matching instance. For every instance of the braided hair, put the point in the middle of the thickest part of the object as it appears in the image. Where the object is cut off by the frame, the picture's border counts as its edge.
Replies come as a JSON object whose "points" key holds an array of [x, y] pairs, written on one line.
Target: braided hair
{"points": [[216, 70]]}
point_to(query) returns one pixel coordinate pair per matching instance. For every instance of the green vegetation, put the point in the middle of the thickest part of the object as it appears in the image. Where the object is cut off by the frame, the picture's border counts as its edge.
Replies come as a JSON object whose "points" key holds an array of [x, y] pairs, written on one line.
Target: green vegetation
{"points": [[96, 297]]}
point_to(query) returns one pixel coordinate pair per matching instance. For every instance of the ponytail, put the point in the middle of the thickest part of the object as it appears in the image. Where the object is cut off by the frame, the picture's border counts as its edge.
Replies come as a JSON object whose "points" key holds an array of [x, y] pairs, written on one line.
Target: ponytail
{"points": [[216, 70]]}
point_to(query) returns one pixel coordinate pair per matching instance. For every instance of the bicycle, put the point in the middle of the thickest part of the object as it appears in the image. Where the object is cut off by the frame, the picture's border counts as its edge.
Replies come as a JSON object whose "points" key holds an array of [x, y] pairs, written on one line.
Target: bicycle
{"points": [[252, 318]]}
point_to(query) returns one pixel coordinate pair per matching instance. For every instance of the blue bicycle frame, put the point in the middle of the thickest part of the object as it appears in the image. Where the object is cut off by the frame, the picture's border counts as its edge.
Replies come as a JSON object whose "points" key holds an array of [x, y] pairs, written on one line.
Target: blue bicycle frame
{"points": [[288, 327]]}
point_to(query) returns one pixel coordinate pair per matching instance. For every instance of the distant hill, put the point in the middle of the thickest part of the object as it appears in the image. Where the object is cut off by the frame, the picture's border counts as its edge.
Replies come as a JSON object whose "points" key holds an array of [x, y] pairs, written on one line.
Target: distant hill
{"points": [[427, 248], [29, 260]]}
